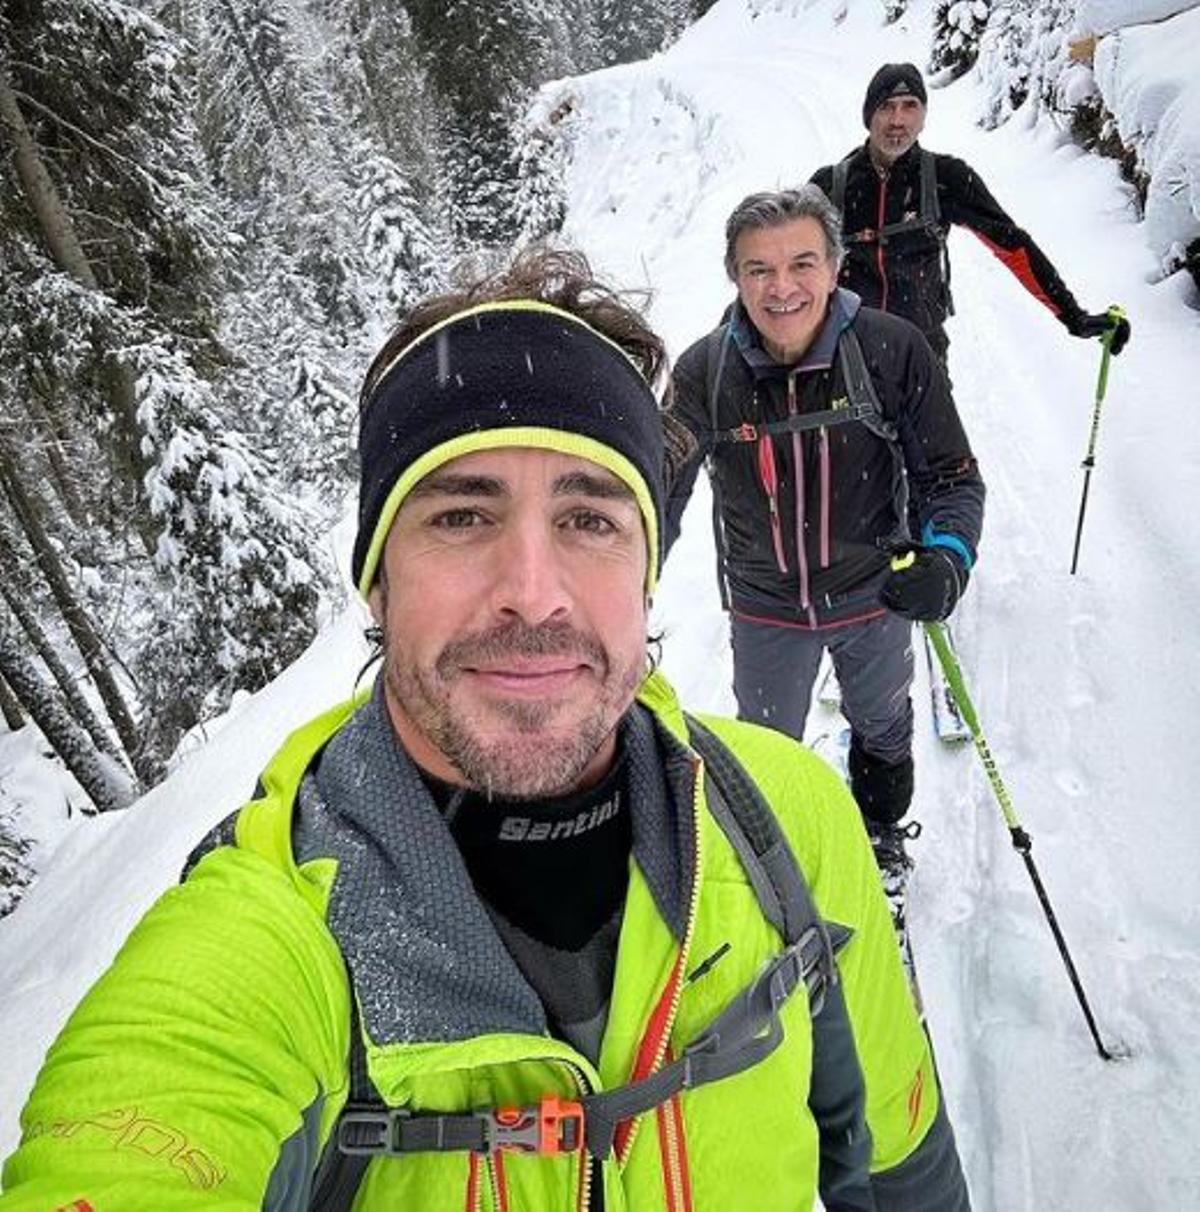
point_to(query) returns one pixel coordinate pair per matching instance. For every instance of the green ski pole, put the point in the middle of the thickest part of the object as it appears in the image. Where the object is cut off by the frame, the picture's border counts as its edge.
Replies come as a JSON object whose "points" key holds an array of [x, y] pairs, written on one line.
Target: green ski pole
{"points": [[1022, 842], [1115, 314]]}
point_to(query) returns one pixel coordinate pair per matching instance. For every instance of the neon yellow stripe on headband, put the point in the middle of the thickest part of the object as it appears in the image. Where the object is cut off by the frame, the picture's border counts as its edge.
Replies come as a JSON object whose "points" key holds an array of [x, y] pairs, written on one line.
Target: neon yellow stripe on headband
{"points": [[538, 438]]}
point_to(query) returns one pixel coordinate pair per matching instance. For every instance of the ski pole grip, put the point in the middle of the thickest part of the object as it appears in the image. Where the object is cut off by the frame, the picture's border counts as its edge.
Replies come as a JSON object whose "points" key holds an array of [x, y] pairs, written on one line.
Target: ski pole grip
{"points": [[907, 560]]}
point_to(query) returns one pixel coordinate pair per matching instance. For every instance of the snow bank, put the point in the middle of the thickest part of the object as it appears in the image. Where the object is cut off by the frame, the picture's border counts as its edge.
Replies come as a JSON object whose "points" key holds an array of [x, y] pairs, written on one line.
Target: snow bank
{"points": [[1149, 77], [1100, 17]]}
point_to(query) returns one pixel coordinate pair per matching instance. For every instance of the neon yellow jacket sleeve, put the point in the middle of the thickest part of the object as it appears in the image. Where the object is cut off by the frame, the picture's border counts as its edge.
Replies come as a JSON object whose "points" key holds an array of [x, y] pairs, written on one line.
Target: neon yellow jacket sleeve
{"points": [[217, 1078]]}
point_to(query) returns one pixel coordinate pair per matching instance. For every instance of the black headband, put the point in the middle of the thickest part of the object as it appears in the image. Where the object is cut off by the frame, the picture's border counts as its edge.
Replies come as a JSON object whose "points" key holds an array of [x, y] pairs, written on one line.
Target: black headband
{"points": [[513, 373]]}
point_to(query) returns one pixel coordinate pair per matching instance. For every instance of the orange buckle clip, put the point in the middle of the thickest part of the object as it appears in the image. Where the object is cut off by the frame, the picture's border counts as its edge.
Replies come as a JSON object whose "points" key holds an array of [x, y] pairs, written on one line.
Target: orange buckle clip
{"points": [[555, 1125]]}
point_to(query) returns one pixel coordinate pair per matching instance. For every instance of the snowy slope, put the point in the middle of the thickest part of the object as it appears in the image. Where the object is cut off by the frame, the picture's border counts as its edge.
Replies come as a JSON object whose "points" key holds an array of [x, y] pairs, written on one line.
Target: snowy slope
{"points": [[1087, 685]]}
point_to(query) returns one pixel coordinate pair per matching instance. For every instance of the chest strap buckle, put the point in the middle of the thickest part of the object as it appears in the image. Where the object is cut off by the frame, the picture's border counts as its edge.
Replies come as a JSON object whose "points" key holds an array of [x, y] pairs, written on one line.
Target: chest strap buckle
{"points": [[555, 1125]]}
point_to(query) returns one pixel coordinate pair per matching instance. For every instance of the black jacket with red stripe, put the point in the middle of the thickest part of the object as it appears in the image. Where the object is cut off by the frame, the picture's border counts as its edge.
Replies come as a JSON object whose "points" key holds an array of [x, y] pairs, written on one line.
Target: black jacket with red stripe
{"points": [[807, 520], [905, 275]]}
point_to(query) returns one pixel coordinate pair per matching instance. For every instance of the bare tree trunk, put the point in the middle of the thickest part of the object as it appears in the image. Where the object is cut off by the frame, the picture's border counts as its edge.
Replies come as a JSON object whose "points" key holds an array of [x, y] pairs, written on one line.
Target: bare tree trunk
{"points": [[58, 230], [78, 705], [10, 708], [75, 617], [100, 778], [256, 75], [53, 219], [51, 426]]}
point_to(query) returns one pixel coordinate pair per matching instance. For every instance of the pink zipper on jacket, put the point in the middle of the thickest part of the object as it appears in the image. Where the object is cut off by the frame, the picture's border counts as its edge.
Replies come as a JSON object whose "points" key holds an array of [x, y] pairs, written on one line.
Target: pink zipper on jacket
{"points": [[798, 459]]}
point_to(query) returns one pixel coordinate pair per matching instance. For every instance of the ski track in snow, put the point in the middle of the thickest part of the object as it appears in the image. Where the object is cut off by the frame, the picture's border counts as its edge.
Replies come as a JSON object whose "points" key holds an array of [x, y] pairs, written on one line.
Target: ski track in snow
{"points": [[1087, 686]]}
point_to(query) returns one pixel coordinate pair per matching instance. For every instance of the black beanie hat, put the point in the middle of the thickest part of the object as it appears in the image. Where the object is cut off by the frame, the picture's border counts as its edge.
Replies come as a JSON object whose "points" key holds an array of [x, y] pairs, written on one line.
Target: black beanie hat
{"points": [[516, 372], [892, 80]]}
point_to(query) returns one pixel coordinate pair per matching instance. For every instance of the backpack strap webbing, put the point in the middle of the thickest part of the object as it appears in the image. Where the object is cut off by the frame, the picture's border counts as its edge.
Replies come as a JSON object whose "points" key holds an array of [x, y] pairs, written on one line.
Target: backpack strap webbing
{"points": [[715, 352], [840, 172]]}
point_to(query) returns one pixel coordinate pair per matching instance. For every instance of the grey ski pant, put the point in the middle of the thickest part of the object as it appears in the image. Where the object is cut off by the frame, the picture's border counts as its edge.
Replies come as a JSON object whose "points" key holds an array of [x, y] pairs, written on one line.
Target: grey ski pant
{"points": [[774, 668]]}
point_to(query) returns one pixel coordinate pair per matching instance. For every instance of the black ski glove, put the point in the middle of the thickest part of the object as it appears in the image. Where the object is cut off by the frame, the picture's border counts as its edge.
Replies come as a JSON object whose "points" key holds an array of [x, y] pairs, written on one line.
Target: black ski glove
{"points": [[926, 589], [1087, 326]]}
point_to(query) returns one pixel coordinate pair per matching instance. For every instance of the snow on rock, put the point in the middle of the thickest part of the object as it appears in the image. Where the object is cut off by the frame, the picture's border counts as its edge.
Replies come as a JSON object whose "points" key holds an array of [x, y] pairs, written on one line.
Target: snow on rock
{"points": [[1149, 77], [1099, 17]]}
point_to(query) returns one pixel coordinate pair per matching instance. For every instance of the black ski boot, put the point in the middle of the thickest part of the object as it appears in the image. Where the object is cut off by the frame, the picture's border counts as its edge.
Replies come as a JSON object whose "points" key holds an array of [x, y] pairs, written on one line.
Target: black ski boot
{"points": [[895, 865]]}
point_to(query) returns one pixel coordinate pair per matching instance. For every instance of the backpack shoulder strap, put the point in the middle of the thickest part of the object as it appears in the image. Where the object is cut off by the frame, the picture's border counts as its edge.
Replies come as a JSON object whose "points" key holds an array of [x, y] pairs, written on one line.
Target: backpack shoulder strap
{"points": [[861, 389], [755, 833], [716, 350], [931, 216], [841, 170], [931, 208], [339, 1173]]}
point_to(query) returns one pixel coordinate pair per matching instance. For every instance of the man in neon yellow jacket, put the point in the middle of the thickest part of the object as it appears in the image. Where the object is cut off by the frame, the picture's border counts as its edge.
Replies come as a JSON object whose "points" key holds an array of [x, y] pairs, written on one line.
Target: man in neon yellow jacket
{"points": [[511, 931]]}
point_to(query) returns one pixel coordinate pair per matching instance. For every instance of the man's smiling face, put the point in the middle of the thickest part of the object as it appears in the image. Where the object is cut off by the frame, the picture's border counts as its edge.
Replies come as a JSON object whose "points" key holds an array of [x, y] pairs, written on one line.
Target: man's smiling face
{"points": [[513, 605], [784, 278]]}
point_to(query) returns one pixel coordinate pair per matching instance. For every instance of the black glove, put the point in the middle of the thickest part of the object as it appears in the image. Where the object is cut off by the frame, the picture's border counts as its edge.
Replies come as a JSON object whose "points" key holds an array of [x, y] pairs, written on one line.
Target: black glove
{"points": [[926, 589], [1084, 325]]}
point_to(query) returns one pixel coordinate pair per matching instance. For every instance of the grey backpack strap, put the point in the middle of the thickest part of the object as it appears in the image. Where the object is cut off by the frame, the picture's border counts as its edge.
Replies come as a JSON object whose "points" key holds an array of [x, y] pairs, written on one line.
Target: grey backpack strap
{"points": [[840, 172], [716, 351], [931, 216], [340, 1172], [861, 388], [755, 833]]}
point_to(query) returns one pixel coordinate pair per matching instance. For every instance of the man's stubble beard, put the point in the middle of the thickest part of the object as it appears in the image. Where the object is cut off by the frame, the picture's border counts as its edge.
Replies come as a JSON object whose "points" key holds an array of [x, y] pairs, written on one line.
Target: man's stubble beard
{"points": [[534, 763]]}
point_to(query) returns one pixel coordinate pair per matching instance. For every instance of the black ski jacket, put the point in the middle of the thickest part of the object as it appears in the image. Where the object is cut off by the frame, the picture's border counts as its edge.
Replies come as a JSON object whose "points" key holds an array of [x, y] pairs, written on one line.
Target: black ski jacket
{"points": [[905, 273], [806, 521]]}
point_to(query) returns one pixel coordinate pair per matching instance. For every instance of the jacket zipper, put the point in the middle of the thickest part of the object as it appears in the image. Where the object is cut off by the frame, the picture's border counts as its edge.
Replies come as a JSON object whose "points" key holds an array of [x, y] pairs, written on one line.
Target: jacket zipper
{"points": [[675, 983], [673, 1147], [825, 487], [473, 1201], [883, 283], [499, 1182], [769, 478], [585, 1158], [799, 488]]}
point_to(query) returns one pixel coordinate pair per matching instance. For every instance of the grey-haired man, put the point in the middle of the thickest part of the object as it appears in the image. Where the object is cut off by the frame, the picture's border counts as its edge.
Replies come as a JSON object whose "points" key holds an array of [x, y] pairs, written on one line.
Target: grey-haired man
{"points": [[832, 441]]}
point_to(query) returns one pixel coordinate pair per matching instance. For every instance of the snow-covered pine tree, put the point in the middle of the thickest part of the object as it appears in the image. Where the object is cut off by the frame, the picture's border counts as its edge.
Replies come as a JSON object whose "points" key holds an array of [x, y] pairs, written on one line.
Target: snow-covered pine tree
{"points": [[957, 28], [1022, 54], [405, 253], [16, 873], [636, 29], [104, 95], [484, 62]]}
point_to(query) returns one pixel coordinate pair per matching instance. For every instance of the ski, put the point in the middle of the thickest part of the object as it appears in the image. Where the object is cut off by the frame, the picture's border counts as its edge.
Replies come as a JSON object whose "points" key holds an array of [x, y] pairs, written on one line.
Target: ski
{"points": [[897, 898], [948, 722], [834, 747], [829, 693]]}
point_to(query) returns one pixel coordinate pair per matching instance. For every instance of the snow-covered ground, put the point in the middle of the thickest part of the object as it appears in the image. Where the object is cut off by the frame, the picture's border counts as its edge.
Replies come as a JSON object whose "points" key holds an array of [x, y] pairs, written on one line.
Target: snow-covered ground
{"points": [[1088, 686]]}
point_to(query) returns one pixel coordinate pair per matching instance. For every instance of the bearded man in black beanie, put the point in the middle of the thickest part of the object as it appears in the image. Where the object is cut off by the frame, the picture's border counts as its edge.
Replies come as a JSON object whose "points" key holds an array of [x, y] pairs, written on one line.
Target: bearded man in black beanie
{"points": [[898, 201]]}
